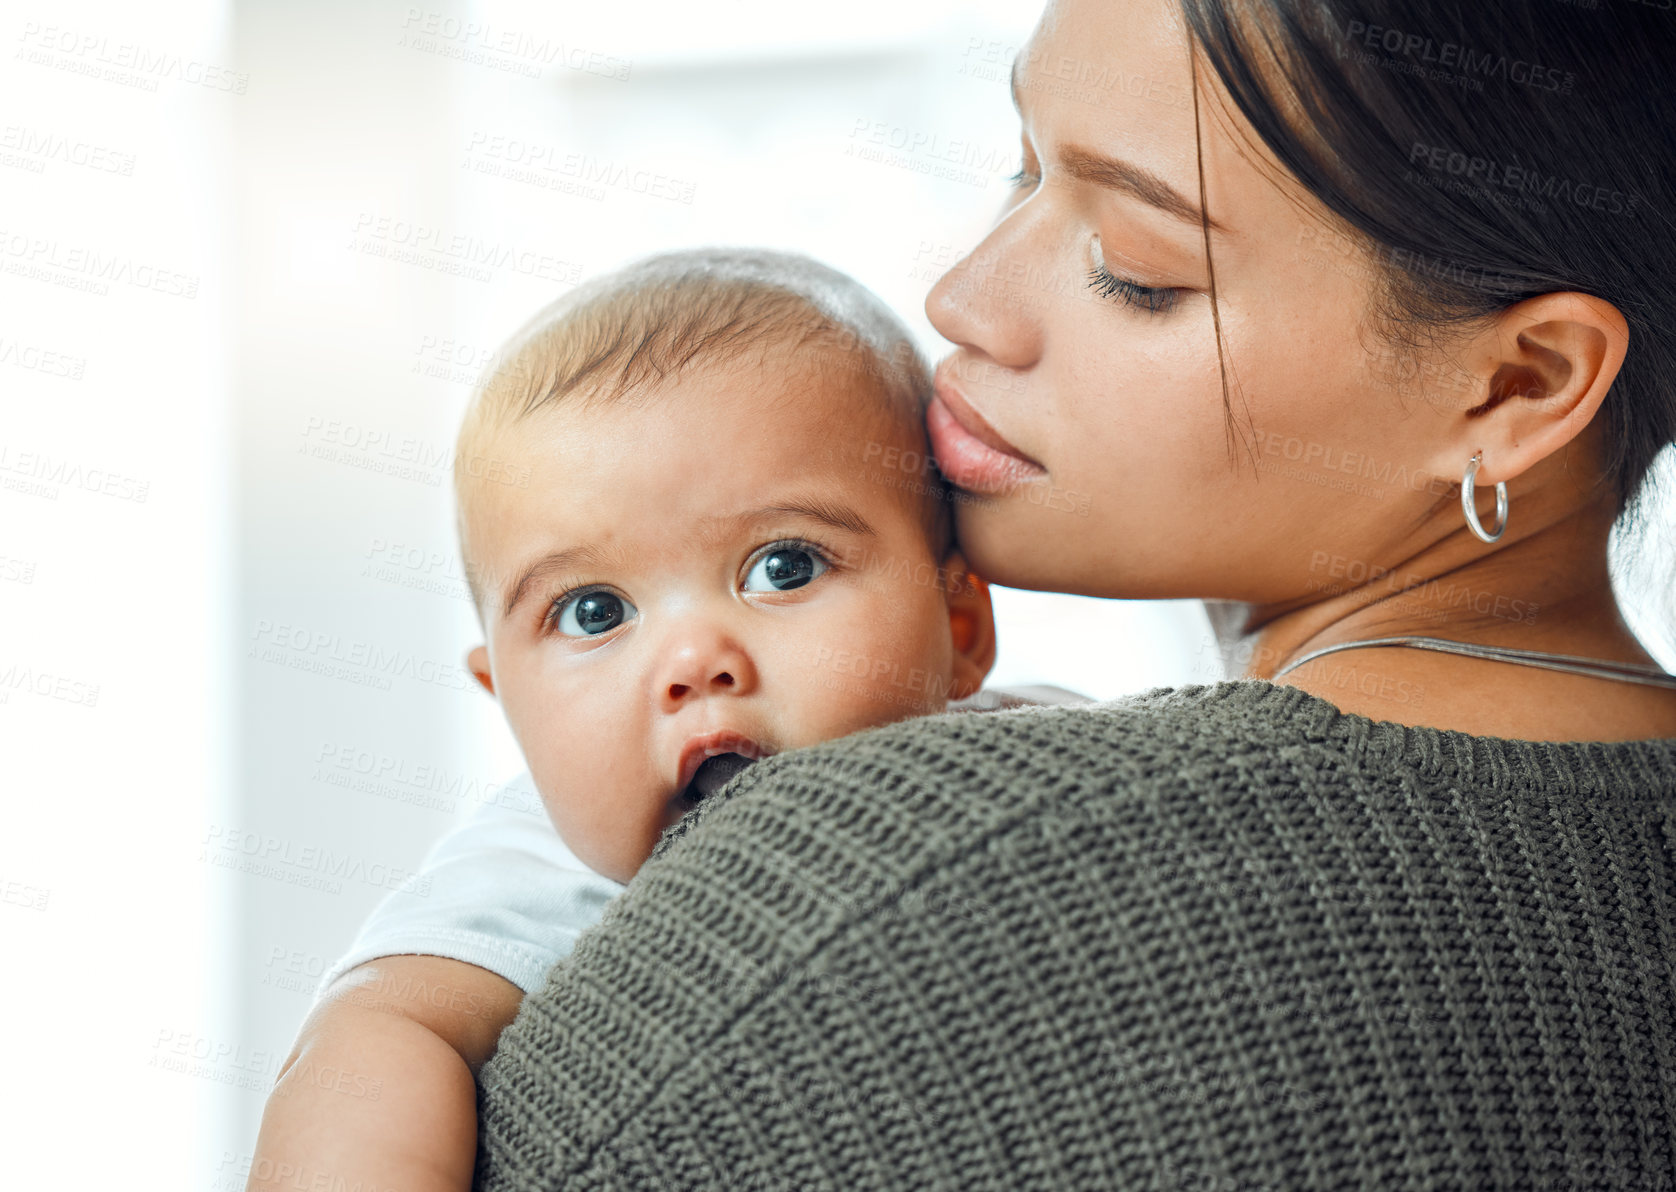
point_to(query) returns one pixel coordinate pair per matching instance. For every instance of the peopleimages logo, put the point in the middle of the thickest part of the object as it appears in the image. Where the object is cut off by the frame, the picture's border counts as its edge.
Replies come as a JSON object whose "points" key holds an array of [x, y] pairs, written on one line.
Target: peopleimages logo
{"points": [[454, 253], [1448, 165], [47, 685], [420, 783], [98, 56], [552, 167], [33, 148], [351, 660], [33, 358], [266, 855], [515, 50], [77, 266], [1336, 574], [1463, 61], [41, 474], [1325, 459], [923, 151]]}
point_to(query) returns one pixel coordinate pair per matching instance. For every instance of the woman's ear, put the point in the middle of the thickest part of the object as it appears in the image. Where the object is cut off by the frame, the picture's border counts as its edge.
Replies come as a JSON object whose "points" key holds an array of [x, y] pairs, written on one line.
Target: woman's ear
{"points": [[477, 661], [971, 625], [1545, 365]]}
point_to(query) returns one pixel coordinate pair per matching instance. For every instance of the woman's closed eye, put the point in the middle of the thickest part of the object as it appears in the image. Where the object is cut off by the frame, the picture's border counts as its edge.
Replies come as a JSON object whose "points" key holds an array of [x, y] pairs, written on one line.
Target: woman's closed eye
{"points": [[1155, 300], [1152, 299]]}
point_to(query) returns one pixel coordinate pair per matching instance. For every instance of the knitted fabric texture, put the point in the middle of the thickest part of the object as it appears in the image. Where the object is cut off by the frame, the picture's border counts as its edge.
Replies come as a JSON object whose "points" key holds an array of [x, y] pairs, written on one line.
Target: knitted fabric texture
{"points": [[1219, 937]]}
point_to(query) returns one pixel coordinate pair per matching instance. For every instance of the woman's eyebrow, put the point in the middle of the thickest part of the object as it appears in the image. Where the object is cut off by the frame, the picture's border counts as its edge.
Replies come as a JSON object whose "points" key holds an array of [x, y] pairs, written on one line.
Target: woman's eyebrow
{"points": [[1109, 172], [1112, 173]]}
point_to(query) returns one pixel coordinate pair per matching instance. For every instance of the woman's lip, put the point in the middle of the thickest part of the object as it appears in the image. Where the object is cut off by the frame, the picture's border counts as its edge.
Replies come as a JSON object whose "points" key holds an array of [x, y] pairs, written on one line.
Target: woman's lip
{"points": [[968, 450]]}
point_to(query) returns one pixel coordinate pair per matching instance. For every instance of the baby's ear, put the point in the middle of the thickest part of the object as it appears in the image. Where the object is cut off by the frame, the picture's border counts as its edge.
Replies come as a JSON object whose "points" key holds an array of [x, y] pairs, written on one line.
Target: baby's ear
{"points": [[971, 625], [477, 660]]}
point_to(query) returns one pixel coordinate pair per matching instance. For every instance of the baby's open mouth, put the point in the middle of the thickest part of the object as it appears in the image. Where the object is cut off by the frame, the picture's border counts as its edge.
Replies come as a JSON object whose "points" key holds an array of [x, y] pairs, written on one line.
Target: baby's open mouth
{"points": [[713, 774]]}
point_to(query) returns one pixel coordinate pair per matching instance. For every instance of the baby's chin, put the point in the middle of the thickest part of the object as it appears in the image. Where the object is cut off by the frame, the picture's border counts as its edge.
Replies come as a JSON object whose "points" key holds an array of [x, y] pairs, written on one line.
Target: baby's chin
{"points": [[615, 849], [618, 849], [618, 860]]}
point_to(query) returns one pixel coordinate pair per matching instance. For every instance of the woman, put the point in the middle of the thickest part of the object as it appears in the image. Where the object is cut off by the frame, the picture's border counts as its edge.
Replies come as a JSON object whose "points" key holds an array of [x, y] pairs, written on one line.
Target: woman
{"points": [[1397, 906]]}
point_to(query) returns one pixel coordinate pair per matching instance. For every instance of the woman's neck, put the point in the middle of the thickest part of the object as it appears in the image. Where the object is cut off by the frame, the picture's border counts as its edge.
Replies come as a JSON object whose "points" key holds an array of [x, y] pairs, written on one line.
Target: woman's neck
{"points": [[1548, 589]]}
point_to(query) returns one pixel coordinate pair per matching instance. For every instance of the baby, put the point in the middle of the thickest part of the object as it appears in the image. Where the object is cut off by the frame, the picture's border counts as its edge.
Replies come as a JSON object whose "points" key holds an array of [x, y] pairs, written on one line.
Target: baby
{"points": [[718, 553], [700, 529]]}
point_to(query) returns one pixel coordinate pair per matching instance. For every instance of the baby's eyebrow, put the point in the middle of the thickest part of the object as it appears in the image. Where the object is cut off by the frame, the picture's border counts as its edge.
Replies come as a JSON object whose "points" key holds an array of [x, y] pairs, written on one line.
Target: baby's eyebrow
{"points": [[830, 513], [559, 560], [839, 517]]}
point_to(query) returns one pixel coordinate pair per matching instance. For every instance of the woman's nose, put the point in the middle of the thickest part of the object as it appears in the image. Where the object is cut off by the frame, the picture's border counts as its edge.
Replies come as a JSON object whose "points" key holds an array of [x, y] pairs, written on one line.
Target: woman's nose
{"points": [[703, 661], [992, 300]]}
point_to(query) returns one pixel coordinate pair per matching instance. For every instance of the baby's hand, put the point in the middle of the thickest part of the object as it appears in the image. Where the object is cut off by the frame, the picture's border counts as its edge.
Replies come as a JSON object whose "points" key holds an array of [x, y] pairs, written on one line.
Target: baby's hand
{"points": [[380, 1090]]}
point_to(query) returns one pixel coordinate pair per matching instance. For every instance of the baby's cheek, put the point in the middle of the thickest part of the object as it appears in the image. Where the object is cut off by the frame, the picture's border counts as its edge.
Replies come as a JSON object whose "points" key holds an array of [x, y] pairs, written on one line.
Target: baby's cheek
{"points": [[879, 683], [886, 660]]}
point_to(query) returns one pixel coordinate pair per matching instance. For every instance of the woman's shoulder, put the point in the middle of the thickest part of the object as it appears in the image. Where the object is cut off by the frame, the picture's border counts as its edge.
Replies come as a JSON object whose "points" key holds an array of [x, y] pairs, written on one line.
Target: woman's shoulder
{"points": [[1234, 745], [936, 777], [953, 928], [968, 914]]}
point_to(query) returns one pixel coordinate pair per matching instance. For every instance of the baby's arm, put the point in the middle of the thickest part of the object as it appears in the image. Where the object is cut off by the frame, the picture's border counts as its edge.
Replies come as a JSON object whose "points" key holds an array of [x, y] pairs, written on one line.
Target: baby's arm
{"points": [[380, 1090]]}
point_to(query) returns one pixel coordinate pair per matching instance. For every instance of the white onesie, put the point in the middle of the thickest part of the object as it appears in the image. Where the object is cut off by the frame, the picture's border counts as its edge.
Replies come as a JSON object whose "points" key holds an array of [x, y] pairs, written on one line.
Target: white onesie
{"points": [[505, 894]]}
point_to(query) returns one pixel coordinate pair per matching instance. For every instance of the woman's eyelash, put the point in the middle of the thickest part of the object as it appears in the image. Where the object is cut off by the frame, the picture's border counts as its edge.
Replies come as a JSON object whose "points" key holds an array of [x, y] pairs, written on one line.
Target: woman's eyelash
{"points": [[1152, 299], [1155, 300]]}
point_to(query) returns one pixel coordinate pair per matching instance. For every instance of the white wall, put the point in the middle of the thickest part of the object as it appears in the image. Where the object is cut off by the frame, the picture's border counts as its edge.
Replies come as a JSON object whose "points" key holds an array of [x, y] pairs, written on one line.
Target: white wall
{"points": [[384, 148], [115, 283]]}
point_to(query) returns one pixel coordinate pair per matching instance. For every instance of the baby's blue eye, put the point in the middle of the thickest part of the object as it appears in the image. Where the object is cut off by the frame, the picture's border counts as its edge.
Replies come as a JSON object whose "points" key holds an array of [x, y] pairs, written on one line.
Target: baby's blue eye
{"points": [[589, 614], [785, 568]]}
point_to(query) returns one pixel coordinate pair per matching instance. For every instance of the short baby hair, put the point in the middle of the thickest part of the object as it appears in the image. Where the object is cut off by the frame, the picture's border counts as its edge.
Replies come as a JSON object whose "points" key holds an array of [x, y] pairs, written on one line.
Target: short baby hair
{"points": [[631, 330]]}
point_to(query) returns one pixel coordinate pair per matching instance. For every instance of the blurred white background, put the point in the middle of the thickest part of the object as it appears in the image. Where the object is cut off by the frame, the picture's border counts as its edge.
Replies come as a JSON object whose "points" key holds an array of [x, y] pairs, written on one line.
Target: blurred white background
{"points": [[253, 255]]}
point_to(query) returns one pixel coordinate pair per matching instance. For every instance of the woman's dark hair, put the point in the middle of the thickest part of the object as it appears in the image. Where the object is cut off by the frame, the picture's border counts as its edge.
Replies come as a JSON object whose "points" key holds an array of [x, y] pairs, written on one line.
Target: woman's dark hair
{"points": [[1484, 153]]}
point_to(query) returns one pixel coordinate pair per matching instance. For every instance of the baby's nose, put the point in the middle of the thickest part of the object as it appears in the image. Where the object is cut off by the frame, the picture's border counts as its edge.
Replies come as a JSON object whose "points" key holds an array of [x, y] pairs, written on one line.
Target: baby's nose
{"points": [[714, 665], [719, 679]]}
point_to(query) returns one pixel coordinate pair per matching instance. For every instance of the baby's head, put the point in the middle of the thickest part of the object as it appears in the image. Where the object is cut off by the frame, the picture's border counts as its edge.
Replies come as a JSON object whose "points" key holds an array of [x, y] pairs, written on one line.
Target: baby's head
{"points": [[697, 518]]}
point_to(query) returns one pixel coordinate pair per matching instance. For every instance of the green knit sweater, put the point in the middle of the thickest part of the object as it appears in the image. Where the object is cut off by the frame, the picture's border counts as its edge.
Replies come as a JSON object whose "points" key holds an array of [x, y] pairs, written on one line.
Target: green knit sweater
{"points": [[1219, 937]]}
